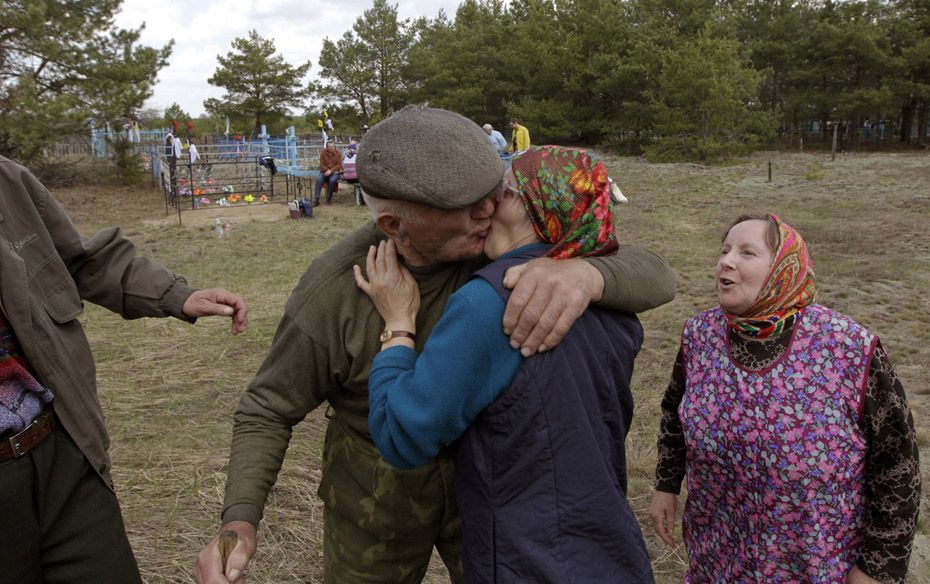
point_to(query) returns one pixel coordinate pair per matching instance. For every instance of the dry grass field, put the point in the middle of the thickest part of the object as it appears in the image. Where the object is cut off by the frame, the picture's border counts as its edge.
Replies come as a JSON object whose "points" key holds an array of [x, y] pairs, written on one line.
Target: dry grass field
{"points": [[169, 389]]}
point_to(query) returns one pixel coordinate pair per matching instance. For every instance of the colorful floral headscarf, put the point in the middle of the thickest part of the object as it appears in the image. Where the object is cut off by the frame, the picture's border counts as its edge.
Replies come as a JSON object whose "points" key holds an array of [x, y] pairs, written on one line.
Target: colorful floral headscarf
{"points": [[788, 288], [567, 195]]}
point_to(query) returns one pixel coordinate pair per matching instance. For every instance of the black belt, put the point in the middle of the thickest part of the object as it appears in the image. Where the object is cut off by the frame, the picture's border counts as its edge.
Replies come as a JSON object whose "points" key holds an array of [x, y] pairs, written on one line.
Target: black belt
{"points": [[28, 438]]}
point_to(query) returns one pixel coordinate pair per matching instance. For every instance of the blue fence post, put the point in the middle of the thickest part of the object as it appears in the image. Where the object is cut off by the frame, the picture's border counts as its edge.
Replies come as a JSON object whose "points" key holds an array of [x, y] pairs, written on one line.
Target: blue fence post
{"points": [[291, 146], [264, 140], [98, 138], [156, 163]]}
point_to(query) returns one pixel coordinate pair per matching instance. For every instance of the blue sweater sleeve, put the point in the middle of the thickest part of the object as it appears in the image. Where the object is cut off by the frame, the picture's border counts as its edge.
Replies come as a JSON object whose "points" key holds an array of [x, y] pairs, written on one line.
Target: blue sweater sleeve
{"points": [[420, 403]]}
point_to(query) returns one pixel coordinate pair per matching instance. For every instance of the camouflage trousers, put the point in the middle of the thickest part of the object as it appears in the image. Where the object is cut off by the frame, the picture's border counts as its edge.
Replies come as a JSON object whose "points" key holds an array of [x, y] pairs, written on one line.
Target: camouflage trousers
{"points": [[381, 523]]}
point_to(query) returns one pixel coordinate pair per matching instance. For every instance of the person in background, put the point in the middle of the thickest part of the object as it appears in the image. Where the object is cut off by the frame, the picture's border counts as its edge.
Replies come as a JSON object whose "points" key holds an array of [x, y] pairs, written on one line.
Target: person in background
{"points": [[59, 517], [791, 427], [498, 141], [519, 137], [431, 180], [540, 464], [172, 154], [349, 172], [330, 167]]}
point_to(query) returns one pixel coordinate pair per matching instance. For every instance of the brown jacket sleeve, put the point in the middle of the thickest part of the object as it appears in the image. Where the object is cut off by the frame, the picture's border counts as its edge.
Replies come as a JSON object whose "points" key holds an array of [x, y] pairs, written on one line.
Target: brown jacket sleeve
{"points": [[635, 279], [105, 267], [48, 269]]}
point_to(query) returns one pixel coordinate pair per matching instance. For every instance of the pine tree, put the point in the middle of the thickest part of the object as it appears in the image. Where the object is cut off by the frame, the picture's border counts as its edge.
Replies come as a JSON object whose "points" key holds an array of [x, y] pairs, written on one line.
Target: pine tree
{"points": [[365, 65], [63, 63], [703, 101], [351, 77], [259, 84], [464, 66]]}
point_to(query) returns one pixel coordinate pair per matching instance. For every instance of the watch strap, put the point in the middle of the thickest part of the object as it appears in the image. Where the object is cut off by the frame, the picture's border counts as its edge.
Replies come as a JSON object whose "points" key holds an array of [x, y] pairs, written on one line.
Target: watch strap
{"points": [[389, 334]]}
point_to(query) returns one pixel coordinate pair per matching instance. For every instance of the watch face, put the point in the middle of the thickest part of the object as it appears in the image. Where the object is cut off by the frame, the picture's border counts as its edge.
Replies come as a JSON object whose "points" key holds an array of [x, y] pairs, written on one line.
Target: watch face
{"points": [[385, 336]]}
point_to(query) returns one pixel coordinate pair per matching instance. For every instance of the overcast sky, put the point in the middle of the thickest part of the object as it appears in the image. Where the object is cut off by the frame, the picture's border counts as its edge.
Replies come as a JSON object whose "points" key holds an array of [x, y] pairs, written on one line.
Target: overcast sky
{"points": [[203, 29]]}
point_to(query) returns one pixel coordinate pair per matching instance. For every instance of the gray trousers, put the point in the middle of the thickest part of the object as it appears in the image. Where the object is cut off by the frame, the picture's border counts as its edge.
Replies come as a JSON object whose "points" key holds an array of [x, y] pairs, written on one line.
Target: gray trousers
{"points": [[59, 522]]}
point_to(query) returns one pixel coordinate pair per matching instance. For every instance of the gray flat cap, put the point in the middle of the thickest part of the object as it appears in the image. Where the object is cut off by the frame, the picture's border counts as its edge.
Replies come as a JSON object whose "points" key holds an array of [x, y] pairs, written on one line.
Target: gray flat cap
{"points": [[430, 156]]}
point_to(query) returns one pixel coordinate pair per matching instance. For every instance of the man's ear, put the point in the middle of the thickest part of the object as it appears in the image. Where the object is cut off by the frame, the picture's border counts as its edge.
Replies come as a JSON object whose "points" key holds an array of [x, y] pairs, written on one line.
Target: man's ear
{"points": [[389, 224]]}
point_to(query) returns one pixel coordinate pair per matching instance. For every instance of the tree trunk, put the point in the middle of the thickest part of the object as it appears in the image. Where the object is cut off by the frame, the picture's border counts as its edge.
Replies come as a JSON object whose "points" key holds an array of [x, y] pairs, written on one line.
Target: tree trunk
{"points": [[363, 105], [922, 118], [907, 120], [770, 92]]}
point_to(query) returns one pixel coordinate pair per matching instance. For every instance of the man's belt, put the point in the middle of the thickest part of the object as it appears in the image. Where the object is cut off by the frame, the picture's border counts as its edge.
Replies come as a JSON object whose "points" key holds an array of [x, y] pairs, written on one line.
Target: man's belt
{"points": [[28, 438]]}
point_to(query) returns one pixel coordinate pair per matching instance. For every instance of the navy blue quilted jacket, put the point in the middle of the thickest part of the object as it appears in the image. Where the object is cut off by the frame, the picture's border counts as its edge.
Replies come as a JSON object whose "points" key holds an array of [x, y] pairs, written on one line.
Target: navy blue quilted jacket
{"points": [[541, 474]]}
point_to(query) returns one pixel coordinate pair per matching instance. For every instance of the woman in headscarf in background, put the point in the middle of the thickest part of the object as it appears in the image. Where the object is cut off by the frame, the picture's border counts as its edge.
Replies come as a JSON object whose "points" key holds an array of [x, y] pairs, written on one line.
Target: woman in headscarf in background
{"points": [[540, 470], [791, 426]]}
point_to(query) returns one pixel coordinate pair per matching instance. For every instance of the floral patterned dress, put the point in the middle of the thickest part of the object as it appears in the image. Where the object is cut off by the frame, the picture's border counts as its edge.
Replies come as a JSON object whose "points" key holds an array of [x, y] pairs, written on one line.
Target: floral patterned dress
{"points": [[776, 457]]}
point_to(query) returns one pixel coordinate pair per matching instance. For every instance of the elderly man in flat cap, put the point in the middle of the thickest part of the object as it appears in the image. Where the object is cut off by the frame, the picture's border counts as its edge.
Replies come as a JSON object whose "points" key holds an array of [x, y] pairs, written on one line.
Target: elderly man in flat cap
{"points": [[430, 177]]}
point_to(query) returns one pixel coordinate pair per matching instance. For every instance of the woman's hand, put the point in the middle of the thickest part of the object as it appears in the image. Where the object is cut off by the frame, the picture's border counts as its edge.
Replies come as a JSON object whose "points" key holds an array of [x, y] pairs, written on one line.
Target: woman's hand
{"points": [[857, 576], [663, 509], [391, 287]]}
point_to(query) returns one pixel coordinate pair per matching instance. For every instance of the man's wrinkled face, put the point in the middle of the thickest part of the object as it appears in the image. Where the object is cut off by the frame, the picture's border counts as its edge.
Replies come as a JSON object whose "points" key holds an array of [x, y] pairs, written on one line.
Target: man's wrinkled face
{"points": [[430, 235]]}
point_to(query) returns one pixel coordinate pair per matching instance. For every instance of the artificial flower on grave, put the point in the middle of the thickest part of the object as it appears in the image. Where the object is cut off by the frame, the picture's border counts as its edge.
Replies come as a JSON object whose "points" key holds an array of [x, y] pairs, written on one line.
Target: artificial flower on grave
{"points": [[184, 192], [199, 191], [228, 189], [204, 200], [249, 199], [234, 198], [223, 202], [263, 198]]}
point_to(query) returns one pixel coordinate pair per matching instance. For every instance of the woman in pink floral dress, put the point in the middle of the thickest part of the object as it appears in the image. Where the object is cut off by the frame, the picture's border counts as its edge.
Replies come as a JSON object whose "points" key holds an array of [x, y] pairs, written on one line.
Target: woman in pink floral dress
{"points": [[791, 426]]}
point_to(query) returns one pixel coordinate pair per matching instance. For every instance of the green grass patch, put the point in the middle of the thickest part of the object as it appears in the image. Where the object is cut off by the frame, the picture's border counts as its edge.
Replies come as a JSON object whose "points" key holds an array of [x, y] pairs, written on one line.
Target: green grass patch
{"points": [[169, 389]]}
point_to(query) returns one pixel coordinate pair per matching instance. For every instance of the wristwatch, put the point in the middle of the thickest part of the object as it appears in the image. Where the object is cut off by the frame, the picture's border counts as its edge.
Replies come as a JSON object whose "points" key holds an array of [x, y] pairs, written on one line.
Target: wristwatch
{"points": [[388, 334]]}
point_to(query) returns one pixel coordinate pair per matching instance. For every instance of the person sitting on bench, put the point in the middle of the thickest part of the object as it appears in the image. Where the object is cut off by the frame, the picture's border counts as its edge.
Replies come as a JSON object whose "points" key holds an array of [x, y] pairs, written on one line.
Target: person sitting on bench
{"points": [[348, 171], [330, 168]]}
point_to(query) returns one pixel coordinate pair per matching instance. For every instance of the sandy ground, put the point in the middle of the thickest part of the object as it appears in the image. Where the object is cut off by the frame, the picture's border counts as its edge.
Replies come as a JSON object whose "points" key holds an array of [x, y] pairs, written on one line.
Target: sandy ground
{"points": [[241, 213]]}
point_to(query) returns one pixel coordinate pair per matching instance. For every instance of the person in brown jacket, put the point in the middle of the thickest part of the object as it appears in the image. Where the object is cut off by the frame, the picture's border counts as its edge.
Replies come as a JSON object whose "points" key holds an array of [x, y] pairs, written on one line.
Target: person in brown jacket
{"points": [[60, 520], [330, 167]]}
